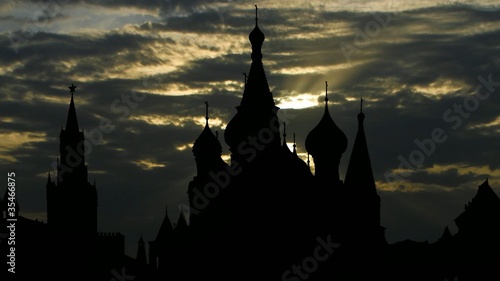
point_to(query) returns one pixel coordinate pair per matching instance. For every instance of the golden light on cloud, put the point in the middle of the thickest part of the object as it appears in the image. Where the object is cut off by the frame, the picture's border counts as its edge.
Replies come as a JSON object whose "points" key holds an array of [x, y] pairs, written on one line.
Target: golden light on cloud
{"points": [[178, 121], [317, 69], [148, 164], [296, 101], [494, 123], [440, 87], [31, 97], [227, 158], [7, 119], [183, 147], [464, 169], [15, 140], [461, 169], [401, 186]]}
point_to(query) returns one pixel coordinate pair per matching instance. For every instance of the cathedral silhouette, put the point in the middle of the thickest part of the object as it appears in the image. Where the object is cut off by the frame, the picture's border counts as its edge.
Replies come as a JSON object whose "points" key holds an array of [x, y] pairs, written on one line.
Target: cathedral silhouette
{"points": [[263, 216]]}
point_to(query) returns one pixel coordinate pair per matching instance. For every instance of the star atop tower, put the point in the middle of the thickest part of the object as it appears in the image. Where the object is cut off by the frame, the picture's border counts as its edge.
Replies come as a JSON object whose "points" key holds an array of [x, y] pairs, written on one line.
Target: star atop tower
{"points": [[72, 120], [72, 88]]}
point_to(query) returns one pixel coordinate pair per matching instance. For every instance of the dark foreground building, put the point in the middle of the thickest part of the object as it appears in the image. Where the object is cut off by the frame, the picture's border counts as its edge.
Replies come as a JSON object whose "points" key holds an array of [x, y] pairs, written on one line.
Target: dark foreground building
{"points": [[68, 246], [266, 216]]}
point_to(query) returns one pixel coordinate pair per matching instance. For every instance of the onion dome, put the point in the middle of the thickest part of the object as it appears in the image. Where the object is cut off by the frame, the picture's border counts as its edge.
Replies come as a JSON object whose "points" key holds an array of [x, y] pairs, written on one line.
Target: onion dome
{"points": [[207, 143], [326, 136]]}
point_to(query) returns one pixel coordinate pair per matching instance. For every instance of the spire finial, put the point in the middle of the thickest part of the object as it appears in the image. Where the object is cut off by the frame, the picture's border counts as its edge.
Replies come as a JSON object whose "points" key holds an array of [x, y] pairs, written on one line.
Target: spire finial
{"points": [[308, 162], [206, 112], [361, 115], [256, 18], [326, 92], [294, 145], [284, 133], [72, 89], [246, 76]]}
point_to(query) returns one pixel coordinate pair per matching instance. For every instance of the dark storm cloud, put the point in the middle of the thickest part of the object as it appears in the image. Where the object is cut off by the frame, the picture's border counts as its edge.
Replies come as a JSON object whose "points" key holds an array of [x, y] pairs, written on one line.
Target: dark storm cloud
{"points": [[214, 69], [65, 47]]}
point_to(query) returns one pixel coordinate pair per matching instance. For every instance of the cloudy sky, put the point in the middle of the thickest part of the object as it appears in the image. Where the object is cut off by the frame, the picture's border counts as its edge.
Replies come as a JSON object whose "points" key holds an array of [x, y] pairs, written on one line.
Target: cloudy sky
{"points": [[426, 70]]}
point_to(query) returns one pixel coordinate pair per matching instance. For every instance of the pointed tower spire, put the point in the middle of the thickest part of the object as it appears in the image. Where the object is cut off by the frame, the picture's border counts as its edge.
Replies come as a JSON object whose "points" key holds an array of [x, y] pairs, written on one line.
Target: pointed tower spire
{"points": [[166, 228], [360, 185], [72, 121], [71, 139], [359, 173], [49, 180], [257, 93], [257, 109]]}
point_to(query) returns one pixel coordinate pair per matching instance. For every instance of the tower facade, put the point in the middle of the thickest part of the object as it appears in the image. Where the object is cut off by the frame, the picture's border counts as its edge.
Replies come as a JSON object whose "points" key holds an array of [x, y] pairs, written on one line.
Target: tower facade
{"points": [[71, 199], [72, 202]]}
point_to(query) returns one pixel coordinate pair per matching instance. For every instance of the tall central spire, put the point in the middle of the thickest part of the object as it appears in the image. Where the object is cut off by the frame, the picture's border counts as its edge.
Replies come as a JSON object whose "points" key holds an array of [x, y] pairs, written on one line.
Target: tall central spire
{"points": [[71, 140], [257, 109], [257, 93]]}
